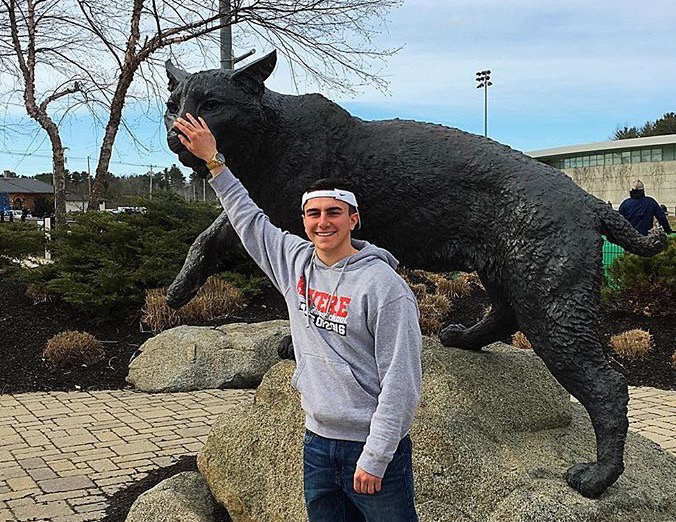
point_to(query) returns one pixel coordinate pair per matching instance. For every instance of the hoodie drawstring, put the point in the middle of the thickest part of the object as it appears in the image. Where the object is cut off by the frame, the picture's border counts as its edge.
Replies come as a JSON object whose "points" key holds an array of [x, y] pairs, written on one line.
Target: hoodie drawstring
{"points": [[333, 293]]}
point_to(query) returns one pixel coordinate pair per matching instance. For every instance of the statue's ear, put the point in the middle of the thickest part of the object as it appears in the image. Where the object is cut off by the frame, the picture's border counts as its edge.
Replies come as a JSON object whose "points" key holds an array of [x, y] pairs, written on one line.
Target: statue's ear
{"points": [[174, 74], [253, 75]]}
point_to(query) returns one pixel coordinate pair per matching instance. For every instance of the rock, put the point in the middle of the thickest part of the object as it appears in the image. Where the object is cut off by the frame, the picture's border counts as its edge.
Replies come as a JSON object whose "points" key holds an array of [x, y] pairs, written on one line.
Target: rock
{"points": [[492, 438], [185, 497], [189, 358]]}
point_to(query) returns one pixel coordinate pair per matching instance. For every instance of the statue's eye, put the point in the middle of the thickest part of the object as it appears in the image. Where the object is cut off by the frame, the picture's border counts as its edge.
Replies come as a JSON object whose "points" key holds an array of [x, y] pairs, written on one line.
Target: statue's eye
{"points": [[172, 108], [210, 105]]}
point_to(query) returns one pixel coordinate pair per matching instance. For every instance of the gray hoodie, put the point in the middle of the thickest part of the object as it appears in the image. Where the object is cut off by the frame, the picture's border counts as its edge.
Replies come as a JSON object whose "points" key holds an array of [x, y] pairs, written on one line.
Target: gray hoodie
{"points": [[357, 343]]}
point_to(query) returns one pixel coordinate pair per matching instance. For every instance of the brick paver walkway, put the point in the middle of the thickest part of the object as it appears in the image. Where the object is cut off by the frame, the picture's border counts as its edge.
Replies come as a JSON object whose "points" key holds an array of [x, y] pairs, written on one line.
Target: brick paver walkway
{"points": [[62, 454], [652, 413]]}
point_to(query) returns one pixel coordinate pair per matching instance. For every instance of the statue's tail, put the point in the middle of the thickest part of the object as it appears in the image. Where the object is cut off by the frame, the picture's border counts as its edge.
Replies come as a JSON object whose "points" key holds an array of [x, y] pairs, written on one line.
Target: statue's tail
{"points": [[619, 231]]}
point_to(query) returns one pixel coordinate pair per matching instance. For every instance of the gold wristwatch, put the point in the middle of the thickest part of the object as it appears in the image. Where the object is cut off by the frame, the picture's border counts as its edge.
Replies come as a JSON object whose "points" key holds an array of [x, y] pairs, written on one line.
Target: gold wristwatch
{"points": [[217, 161]]}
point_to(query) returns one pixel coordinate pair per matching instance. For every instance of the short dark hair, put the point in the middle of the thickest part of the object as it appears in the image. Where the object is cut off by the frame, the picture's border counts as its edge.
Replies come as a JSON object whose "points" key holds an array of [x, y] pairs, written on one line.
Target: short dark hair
{"points": [[334, 183]]}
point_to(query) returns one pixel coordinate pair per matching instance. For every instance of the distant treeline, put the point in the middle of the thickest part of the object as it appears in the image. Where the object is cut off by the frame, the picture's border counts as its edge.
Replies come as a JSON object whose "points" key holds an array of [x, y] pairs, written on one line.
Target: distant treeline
{"points": [[664, 125], [125, 190]]}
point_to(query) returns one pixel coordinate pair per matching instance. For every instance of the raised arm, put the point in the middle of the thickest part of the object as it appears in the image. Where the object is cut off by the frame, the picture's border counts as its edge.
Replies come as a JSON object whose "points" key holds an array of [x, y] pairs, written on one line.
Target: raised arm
{"points": [[271, 248]]}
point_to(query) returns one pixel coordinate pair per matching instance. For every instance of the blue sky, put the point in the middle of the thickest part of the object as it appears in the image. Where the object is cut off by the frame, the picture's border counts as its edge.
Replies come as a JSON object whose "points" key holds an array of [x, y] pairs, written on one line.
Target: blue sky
{"points": [[564, 72]]}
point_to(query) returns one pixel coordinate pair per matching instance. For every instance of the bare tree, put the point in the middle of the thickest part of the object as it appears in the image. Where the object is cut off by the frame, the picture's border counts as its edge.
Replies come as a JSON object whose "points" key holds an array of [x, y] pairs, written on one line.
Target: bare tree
{"points": [[29, 31], [330, 40], [318, 35]]}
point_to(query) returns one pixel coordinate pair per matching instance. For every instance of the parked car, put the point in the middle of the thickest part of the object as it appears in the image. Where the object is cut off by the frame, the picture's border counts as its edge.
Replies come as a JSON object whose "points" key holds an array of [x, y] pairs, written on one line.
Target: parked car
{"points": [[15, 213], [128, 210]]}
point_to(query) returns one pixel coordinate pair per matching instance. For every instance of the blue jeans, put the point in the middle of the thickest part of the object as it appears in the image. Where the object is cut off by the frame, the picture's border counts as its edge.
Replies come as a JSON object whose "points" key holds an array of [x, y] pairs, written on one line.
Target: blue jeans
{"points": [[329, 467]]}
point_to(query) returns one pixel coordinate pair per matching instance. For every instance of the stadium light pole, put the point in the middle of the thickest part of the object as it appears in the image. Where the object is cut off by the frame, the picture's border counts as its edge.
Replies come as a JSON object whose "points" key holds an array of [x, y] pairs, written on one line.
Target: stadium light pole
{"points": [[484, 79]]}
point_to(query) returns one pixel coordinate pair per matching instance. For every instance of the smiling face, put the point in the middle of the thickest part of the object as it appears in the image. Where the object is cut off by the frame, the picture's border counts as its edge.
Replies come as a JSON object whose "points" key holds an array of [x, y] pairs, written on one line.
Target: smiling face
{"points": [[329, 224]]}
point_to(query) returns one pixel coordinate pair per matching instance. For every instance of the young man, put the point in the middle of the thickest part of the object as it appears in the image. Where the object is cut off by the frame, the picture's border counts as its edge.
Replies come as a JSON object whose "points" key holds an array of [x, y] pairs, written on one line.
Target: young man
{"points": [[357, 342]]}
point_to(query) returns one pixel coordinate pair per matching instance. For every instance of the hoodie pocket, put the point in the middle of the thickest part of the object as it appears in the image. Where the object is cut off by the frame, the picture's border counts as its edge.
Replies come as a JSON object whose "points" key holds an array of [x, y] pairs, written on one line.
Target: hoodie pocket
{"points": [[297, 372], [331, 394]]}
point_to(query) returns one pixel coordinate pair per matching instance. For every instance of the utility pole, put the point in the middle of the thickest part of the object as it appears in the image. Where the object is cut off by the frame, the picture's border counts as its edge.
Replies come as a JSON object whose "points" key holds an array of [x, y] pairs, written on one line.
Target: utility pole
{"points": [[227, 62], [152, 175], [484, 77], [228, 59], [89, 181], [204, 189]]}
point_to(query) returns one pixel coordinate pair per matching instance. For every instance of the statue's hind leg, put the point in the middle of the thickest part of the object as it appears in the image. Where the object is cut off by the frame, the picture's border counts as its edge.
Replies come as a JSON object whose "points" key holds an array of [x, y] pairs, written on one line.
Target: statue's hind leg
{"points": [[571, 350], [498, 323]]}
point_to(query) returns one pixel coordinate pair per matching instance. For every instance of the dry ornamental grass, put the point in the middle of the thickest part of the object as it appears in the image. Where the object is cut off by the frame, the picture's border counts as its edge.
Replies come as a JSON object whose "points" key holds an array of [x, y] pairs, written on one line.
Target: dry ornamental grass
{"points": [[73, 348], [216, 298], [433, 293], [432, 310], [519, 340], [632, 344], [451, 288]]}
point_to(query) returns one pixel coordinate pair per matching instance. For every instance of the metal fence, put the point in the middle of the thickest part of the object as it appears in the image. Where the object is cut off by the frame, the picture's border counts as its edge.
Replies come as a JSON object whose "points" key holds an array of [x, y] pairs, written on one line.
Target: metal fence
{"points": [[611, 252]]}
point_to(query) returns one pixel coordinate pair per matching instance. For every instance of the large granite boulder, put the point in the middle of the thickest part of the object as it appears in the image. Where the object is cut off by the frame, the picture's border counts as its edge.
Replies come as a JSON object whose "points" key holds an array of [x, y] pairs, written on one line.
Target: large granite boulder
{"points": [[184, 497], [189, 358], [492, 438]]}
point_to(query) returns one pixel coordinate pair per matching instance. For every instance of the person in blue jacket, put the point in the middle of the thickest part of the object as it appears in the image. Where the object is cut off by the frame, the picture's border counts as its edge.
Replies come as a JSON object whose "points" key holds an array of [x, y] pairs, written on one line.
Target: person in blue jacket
{"points": [[640, 210]]}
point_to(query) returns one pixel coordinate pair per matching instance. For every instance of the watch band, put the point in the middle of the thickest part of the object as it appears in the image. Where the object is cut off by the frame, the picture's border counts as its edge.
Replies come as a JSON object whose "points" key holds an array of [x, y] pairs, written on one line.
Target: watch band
{"points": [[217, 161]]}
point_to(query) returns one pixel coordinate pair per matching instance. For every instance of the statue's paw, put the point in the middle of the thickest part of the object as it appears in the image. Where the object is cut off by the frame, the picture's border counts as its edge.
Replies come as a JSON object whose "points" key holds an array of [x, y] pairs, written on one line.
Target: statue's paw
{"points": [[455, 335], [590, 479], [452, 335], [285, 348]]}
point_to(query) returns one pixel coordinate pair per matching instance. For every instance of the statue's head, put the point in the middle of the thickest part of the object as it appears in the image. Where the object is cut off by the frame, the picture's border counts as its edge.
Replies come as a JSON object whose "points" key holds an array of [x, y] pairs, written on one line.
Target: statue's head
{"points": [[229, 101]]}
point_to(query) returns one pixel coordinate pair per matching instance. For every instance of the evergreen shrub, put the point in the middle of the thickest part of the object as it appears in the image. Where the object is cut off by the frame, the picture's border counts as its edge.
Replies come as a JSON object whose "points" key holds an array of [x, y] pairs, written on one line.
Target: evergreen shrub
{"points": [[103, 262], [19, 240], [644, 285]]}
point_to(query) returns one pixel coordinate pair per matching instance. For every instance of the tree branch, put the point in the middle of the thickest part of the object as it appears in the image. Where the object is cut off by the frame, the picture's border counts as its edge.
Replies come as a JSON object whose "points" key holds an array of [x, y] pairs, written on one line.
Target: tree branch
{"points": [[59, 94]]}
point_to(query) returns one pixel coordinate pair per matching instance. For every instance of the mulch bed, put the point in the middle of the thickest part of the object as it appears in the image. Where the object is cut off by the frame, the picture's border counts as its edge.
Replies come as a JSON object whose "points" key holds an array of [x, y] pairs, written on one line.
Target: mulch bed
{"points": [[25, 328]]}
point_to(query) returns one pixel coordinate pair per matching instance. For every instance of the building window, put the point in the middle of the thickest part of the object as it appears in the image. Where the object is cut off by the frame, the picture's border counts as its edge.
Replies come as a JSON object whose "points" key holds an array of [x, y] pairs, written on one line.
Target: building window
{"points": [[653, 154]]}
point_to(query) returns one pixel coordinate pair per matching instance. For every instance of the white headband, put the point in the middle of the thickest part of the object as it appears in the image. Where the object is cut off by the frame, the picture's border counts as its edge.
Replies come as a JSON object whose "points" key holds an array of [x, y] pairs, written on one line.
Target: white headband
{"points": [[341, 195]]}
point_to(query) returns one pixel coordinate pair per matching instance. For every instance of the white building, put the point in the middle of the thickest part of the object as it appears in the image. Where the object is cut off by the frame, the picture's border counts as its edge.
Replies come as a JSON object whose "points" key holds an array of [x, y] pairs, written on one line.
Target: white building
{"points": [[607, 169]]}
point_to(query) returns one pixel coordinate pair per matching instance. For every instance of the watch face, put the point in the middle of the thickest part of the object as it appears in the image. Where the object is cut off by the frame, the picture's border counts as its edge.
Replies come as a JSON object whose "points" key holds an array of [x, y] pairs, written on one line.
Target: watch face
{"points": [[220, 158]]}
